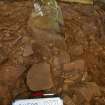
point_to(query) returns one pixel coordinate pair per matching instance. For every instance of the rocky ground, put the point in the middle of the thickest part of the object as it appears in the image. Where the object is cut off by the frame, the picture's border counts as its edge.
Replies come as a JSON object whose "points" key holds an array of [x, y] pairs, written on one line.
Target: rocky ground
{"points": [[73, 59]]}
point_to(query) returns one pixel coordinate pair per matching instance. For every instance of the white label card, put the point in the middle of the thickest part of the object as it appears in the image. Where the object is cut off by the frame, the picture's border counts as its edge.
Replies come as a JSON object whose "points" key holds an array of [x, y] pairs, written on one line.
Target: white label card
{"points": [[40, 101]]}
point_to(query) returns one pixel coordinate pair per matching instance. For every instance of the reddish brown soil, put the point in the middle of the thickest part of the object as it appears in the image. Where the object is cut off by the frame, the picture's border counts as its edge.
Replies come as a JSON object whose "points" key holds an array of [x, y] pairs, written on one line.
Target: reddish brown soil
{"points": [[77, 58]]}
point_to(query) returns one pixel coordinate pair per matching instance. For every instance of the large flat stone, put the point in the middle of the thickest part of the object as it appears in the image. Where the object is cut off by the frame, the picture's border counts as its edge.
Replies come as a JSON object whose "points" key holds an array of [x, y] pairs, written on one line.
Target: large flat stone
{"points": [[39, 77]]}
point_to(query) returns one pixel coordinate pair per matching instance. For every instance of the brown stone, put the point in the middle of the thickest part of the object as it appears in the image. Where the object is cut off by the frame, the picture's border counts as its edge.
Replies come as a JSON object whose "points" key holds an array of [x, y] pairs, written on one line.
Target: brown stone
{"points": [[39, 77], [9, 73], [74, 71]]}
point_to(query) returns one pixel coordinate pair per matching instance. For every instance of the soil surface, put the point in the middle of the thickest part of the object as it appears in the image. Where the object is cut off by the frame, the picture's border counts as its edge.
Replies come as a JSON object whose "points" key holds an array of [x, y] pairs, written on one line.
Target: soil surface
{"points": [[70, 62]]}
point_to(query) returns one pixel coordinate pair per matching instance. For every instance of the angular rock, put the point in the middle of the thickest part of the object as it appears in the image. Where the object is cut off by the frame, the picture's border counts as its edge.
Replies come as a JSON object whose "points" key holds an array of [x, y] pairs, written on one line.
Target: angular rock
{"points": [[74, 71], [10, 73], [39, 77]]}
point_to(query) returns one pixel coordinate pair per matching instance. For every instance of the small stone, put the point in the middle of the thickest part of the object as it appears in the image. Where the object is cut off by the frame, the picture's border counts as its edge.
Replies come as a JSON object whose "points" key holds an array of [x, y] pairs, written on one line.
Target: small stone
{"points": [[39, 77], [27, 51]]}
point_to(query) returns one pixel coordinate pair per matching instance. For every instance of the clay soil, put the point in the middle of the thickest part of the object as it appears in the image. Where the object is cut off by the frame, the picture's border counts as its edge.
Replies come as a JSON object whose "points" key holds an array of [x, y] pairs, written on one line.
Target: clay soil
{"points": [[78, 65]]}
